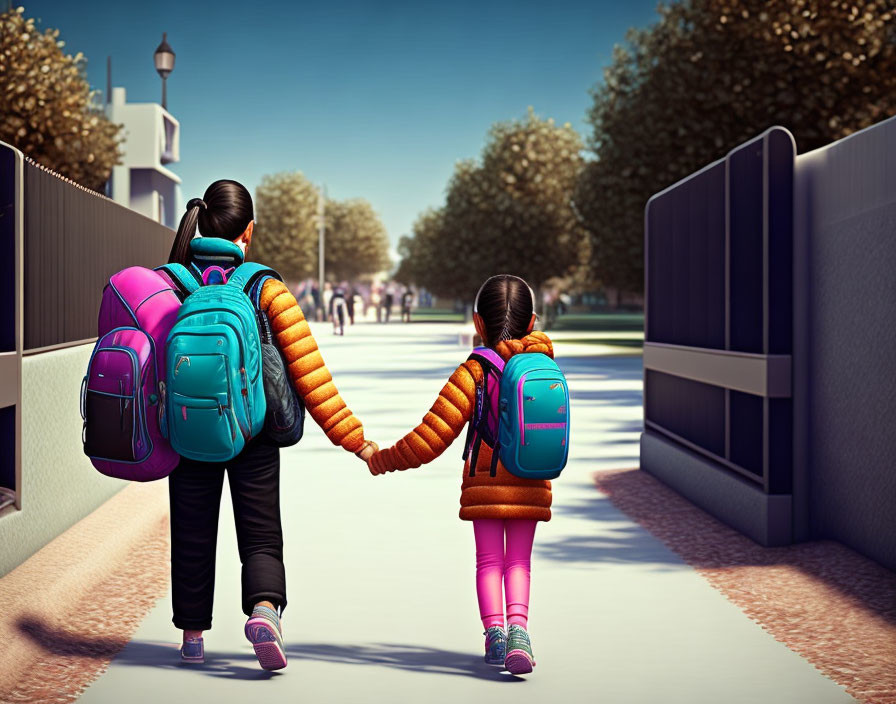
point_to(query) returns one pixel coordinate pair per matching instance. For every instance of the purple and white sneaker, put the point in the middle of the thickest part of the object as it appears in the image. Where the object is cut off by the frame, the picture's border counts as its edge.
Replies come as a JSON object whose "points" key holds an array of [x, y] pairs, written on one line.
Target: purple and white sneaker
{"points": [[192, 651], [263, 631], [519, 659]]}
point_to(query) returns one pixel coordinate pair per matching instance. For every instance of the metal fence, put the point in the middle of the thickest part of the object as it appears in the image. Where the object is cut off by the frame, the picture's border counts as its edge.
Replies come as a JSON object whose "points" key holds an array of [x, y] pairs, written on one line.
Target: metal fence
{"points": [[59, 243], [74, 240], [769, 339]]}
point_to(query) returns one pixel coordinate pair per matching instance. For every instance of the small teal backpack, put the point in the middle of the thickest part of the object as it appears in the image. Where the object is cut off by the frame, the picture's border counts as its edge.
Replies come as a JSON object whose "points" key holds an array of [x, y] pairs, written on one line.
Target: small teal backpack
{"points": [[214, 388], [522, 412]]}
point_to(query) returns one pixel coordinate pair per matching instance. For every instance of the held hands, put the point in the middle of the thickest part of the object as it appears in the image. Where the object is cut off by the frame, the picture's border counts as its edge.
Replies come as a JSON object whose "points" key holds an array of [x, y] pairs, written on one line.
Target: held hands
{"points": [[367, 453], [367, 450], [372, 456]]}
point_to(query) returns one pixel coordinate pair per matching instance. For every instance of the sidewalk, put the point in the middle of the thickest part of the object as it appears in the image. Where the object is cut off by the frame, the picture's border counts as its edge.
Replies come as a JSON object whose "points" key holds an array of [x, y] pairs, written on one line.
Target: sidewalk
{"points": [[381, 571]]}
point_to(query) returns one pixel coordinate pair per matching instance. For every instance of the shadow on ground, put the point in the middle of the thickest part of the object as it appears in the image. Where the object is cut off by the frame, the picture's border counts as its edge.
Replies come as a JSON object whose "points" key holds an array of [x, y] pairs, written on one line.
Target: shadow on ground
{"points": [[403, 657], [243, 666], [706, 543], [616, 368], [617, 541], [63, 643]]}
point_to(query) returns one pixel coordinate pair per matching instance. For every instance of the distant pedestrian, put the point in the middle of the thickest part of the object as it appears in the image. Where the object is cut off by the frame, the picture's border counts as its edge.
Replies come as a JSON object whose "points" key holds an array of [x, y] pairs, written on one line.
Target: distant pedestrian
{"points": [[376, 300], [350, 302], [406, 299], [338, 310], [388, 301]]}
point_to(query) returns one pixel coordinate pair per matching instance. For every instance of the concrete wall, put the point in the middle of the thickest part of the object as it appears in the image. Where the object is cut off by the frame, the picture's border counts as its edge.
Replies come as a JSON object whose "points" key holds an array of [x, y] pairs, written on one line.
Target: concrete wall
{"points": [[59, 485], [846, 246], [840, 269]]}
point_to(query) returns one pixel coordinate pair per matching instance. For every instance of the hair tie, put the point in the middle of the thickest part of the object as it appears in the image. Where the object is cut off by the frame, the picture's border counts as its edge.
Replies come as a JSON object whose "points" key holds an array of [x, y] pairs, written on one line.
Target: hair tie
{"points": [[197, 203]]}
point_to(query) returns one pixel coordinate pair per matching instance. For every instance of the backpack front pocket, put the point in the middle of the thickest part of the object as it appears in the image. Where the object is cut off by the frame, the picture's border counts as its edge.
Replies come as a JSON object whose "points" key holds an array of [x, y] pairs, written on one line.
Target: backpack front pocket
{"points": [[112, 406], [203, 427], [543, 418]]}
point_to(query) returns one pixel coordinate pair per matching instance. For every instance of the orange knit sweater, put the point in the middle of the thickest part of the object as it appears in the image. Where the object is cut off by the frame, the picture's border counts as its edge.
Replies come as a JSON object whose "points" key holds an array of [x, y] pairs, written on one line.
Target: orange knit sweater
{"points": [[307, 370], [482, 496]]}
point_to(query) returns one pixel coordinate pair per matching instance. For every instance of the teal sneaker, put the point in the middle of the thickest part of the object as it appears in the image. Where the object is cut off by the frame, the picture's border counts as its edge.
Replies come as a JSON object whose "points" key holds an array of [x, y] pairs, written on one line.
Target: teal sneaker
{"points": [[519, 659], [495, 645]]}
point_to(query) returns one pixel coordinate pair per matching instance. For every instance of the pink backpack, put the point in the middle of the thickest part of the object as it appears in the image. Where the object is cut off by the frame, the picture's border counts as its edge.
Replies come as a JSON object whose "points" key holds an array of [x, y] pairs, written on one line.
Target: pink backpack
{"points": [[122, 391]]}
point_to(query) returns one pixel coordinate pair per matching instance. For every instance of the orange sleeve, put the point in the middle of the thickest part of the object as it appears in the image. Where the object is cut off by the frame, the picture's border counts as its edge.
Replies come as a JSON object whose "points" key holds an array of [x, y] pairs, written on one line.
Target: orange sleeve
{"points": [[441, 425], [306, 367]]}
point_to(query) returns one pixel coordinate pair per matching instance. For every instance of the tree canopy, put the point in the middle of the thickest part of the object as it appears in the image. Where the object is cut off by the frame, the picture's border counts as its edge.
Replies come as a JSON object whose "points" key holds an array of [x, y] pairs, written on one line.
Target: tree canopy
{"points": [[286, 224], [287, 231], [710, 75], [508, 212], [356, 240], [47, 109]]}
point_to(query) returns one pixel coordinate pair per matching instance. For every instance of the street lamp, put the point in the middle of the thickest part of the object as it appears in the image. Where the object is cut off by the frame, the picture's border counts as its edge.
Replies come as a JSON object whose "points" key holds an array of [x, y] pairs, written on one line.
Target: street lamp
{"points": [[321, 237], [164, 60]]}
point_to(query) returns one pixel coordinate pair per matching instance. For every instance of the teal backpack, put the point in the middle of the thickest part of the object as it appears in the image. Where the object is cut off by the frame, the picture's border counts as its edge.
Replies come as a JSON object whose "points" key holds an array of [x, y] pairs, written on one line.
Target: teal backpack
{"points": [[521, 411], [213, 393]]}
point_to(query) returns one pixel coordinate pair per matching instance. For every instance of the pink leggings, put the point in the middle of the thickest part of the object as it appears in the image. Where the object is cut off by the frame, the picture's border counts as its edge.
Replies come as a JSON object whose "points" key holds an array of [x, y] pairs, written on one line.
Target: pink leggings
{"points": [[494, 563]]}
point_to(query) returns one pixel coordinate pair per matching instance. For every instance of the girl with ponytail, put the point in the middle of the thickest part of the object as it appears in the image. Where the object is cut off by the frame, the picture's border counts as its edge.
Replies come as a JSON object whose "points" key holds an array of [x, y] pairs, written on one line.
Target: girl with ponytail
{"points": [[501, 506], [225, 221]]}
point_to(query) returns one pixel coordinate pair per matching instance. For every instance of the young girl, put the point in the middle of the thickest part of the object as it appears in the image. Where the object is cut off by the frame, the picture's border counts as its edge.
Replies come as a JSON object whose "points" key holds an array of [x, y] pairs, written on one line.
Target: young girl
{"points": [[501, 507], [225, 218]]}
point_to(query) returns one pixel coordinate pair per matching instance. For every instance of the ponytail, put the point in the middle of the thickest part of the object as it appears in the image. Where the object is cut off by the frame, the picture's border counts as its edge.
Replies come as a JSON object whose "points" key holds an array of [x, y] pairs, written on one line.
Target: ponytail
{"points": [[186, 231]]}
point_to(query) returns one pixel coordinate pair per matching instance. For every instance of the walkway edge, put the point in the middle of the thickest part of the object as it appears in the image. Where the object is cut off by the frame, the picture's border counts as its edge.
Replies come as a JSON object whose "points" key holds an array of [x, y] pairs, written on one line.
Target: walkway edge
{"points": [[52, 582]]}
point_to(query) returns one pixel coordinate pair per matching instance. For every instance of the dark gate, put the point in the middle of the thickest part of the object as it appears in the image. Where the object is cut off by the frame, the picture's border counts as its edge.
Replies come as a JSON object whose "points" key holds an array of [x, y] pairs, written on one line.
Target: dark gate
{"points": [[718, 337]]}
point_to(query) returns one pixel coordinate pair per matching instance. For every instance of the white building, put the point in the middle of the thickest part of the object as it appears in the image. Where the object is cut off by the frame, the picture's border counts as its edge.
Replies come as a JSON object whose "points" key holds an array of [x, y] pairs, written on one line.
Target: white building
{"points": [[151, 140]]}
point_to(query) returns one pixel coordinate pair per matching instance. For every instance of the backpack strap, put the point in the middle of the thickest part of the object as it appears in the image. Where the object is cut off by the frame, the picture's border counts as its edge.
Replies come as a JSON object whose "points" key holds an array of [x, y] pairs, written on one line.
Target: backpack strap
{"points": [[486, 358], [247, 275], [489, 356], [255, 296], [250, 278], [182, 277]]}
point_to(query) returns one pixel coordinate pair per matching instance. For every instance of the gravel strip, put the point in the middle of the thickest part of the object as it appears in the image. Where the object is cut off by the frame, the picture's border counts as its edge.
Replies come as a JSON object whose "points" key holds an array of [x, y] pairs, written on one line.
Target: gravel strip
{"points": [[78, 649], [823, 600]]}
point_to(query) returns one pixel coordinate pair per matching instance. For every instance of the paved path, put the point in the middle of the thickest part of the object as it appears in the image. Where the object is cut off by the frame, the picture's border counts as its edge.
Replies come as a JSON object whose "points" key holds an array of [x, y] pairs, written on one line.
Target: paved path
{"points": [[381, 572]]}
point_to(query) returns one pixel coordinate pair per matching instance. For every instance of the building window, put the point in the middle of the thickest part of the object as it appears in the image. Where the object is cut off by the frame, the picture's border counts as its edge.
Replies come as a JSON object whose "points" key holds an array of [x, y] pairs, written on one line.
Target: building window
{"points": [[168, 137]]}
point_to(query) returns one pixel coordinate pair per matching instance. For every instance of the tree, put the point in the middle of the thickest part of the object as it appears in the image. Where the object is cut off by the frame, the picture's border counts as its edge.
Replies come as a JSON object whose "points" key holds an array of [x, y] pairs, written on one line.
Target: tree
{"points": [[710, 75], [47, 109], [419, 263], [508, 213], [286, 224], [356, 241], [534, 167]]}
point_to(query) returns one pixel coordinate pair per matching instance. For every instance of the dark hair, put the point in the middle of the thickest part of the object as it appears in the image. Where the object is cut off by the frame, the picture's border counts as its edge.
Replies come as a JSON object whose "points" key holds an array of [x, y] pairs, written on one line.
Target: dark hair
{"points": [[224, 211], [505, 305]]}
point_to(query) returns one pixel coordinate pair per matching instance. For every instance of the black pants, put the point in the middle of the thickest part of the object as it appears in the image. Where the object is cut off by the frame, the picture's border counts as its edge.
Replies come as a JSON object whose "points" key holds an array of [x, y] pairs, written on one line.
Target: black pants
{"points": [[194, 489]]}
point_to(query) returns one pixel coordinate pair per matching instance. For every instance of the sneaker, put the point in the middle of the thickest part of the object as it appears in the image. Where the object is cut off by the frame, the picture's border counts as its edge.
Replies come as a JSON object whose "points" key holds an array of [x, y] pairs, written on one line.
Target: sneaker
{"points": [[192, 651], [263, 631], [519, 659], [495, 645]]}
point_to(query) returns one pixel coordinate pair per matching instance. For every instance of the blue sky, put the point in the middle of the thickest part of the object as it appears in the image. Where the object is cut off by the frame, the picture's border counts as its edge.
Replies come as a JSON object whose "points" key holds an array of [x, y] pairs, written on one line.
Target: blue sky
{"points": [[377, 100]]}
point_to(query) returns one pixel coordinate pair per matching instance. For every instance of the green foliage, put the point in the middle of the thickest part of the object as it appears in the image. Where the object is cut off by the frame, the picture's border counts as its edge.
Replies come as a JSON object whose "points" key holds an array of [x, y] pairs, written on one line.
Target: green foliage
{"points": [[47, 108], [286, 224], [356, 241], [286, 207], [510, 212], [710, 75]]}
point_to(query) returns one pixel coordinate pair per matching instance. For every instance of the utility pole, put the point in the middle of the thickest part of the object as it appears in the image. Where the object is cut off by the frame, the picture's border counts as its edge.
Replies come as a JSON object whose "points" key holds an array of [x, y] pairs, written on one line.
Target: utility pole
{"points": [[321, 235]]}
